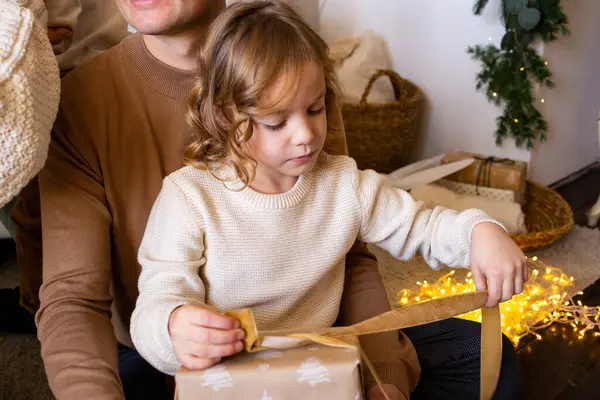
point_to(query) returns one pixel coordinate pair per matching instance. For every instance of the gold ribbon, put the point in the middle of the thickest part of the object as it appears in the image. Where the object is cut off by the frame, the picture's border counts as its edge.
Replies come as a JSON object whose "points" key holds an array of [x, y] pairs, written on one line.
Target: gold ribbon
{"points": [[400, 318]]}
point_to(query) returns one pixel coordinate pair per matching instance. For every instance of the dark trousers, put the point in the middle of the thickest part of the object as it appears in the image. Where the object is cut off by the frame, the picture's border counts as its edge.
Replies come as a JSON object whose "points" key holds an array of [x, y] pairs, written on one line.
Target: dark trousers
{"points": [[140, 380], [449, 353]]}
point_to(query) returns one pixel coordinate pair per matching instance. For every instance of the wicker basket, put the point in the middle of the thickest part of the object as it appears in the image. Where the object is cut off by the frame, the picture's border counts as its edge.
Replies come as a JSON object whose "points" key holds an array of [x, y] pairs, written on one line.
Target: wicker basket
{"points": [[548, 218], [381, 136]]}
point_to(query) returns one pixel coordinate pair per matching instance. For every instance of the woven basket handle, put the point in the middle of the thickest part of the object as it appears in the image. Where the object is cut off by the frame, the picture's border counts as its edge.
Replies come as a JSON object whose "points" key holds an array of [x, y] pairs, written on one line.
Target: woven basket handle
{"points": [[397, 83]]}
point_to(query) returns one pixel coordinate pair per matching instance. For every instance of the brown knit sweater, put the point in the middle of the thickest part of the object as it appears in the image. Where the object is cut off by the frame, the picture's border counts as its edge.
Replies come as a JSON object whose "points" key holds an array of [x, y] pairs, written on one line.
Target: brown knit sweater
{"points": [[119, 132]]}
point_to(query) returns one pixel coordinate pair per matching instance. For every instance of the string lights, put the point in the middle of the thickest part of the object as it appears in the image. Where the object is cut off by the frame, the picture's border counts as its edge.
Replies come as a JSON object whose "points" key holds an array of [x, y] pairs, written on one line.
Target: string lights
{"points": [[544, 301]]}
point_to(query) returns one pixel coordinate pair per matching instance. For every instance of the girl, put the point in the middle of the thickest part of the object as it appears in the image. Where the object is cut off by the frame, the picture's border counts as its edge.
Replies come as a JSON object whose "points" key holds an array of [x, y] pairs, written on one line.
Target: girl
{"points": [[262, 217]]}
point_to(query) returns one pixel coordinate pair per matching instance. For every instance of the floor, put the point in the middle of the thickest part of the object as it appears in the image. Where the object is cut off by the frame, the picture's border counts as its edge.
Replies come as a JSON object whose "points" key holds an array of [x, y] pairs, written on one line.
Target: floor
{"points": [[561, 367]]}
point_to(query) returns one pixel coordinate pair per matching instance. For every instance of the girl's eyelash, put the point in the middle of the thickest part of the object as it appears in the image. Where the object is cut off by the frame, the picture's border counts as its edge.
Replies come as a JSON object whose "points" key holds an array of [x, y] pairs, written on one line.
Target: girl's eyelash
{"points": [[282, 124], [275, 127], [316, 112]]}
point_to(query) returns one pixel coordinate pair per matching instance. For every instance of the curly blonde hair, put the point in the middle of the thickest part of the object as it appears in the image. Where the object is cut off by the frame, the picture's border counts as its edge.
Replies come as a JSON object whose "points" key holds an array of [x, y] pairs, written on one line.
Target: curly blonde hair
{"points": [[249, 46]]}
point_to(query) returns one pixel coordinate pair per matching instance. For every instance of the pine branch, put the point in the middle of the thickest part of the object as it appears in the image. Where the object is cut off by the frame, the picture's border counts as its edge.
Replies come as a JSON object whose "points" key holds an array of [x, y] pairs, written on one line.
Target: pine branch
{"points": [[509, 74]]}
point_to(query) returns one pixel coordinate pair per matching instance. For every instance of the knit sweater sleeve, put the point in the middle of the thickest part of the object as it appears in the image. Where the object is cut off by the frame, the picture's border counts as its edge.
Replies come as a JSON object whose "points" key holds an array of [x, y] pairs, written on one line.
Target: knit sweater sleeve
{"points": [[391, 219], [171, 255]]}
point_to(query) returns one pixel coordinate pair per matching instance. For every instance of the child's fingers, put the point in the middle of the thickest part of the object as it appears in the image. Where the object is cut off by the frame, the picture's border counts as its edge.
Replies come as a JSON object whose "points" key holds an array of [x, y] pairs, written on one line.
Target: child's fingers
{"points": [[203, 317], [494, 286], [214, 350], [508, 287], [479, 279], [519, 282], [196, 363], [200, 334]]}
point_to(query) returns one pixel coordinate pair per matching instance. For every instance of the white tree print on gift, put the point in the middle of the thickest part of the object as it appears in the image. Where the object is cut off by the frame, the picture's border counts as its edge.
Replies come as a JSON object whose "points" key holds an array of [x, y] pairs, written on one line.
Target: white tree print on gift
{"points": [[263, 367], [266, 396], [217, 378], [313, 371]]}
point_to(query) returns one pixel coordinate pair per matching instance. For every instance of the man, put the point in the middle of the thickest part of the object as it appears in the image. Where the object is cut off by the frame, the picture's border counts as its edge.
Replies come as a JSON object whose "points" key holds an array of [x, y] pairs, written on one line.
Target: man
{"points": [[119, 131]]}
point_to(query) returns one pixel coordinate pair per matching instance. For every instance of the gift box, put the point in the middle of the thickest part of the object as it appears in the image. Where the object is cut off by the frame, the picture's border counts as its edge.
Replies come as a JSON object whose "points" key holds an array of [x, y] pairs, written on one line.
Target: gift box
{"points": [[326, 363], [312, 371], [491, 172]]}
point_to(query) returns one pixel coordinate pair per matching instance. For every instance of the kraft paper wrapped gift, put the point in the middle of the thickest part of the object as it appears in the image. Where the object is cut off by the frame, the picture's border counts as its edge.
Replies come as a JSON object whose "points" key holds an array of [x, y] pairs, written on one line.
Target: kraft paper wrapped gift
{"points": [[312, 371], [326, 363], [493, 172]]}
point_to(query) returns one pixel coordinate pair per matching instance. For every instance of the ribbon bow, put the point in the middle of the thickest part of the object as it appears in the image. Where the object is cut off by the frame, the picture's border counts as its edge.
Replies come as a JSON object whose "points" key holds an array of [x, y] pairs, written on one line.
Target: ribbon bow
{"points": [[400, 318], [485, 170]]}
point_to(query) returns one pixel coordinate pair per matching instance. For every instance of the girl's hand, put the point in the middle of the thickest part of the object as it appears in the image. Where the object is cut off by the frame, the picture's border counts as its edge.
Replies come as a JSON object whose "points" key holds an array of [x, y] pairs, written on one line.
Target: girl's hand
{"points": [[497, 263], [201, 337]]}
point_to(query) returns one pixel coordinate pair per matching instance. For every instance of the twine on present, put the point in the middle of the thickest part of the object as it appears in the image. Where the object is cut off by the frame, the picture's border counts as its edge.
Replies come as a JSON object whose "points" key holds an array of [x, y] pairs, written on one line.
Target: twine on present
{"points": [[484, 172]]}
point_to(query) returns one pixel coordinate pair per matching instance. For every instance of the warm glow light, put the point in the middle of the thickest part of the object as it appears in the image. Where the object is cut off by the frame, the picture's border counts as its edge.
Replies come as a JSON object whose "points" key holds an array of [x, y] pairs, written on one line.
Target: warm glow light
{"points": [[543, 302]]}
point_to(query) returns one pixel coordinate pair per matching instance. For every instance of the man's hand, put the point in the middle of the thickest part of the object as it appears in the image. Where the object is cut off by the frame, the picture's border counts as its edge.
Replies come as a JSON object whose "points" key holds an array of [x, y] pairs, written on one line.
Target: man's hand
{"points": [[497, 263], [58, 34], [390, 390], [201, 337]]}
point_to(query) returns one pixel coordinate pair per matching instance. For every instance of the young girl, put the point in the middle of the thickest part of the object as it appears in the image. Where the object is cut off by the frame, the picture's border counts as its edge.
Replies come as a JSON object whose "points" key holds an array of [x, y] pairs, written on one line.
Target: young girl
{"points": [[262, 217]]}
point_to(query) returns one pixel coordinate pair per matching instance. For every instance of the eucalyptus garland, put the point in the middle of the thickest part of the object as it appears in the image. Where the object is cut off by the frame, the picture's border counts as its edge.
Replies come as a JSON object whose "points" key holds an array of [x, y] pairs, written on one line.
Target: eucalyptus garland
{"points": [[510, 73]]}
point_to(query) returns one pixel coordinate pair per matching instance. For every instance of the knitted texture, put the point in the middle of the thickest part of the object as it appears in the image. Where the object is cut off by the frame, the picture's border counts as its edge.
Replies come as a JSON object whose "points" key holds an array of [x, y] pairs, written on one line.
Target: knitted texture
{"points": [[29, 93], [283, 255]]}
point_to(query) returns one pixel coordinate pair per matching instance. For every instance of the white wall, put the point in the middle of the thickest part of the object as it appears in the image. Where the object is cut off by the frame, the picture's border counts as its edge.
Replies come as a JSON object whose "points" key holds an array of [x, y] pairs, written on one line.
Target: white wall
{"points": [[571, 108], [428, 42]]}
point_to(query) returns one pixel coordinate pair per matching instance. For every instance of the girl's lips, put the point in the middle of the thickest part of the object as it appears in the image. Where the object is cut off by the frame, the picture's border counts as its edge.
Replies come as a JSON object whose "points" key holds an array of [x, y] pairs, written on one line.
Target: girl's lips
{"points": [[303, 159]]}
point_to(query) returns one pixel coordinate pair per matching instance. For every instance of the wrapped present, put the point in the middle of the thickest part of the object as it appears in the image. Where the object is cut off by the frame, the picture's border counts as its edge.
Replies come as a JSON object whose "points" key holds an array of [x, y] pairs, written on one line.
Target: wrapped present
{"points": [[491, 172], [326, 363], [311, 371], [508, 213], [474, 190]]}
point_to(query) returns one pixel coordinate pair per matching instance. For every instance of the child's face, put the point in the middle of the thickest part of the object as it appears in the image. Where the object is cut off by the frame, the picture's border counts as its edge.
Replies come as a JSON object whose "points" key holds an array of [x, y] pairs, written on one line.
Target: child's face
{"points": [[286, 144]]}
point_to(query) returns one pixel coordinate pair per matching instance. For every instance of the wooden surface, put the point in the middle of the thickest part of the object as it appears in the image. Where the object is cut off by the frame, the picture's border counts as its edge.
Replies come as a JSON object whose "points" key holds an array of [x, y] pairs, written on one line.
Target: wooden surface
{"points": [[560, 366]]}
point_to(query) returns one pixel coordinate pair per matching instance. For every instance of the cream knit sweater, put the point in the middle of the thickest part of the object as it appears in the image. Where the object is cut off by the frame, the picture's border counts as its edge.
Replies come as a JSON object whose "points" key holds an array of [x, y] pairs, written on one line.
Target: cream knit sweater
{"points": [[281, 255], [29, 93]]}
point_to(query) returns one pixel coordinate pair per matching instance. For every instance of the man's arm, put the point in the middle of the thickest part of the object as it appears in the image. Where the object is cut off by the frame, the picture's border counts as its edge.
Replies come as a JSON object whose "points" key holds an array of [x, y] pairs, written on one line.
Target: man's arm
{"points": [[364, 296], [79, 347]]}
